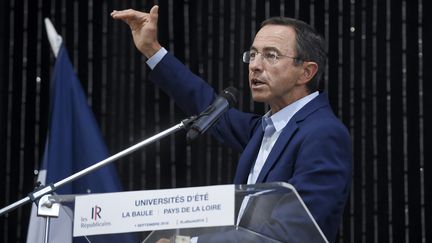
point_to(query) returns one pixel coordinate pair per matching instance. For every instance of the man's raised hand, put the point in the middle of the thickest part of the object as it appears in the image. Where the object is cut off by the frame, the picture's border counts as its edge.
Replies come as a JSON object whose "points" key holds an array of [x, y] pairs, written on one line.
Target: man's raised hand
{"points": [[144, 28]]}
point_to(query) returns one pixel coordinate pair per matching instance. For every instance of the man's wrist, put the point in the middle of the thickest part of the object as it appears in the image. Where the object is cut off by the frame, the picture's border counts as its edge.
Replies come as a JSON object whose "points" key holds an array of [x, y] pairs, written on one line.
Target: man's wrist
{"points": [[153, 50], [156, 58]]}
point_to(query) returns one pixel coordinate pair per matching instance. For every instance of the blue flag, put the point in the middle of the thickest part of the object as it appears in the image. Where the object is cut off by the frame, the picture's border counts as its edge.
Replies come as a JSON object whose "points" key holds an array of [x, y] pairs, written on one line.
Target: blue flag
{"points": [[74, 143]]}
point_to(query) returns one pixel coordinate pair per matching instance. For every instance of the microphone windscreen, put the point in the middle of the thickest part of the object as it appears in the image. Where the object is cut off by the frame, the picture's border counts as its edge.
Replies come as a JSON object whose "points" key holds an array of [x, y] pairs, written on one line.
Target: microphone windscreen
{"points": [[230, 94]]}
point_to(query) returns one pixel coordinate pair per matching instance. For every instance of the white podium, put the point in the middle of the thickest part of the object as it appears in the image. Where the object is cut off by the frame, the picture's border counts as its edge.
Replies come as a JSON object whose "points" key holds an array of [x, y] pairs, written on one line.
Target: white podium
{"points": [[271, 212]]}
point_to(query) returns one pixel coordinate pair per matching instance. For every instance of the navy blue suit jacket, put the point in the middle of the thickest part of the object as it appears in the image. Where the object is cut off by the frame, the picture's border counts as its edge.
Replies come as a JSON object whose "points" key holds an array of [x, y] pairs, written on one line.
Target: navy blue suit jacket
{"points": [[313, 152]]}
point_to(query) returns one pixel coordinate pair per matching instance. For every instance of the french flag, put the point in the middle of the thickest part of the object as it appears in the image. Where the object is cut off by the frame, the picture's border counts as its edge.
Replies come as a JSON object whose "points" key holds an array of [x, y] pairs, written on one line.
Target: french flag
{"points": [[74, 142]]}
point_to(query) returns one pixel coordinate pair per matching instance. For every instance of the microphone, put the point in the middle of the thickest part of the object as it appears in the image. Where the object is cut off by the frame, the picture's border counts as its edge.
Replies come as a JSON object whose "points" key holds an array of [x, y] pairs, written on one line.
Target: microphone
{"points": [[211, 114]]}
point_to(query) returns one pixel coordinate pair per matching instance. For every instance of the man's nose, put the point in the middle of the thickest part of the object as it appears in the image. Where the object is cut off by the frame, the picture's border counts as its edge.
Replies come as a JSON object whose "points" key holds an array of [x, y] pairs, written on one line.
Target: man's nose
{"points": [[257, 63]]}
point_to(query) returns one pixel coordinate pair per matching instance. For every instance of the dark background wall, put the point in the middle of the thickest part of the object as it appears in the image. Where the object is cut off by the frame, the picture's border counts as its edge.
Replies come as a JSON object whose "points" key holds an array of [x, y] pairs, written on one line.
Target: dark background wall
{"points": [[378, 78]]}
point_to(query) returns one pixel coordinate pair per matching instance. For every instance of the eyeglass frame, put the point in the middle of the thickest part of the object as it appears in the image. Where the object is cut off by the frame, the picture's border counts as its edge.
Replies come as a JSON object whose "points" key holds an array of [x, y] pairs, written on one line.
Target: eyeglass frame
{"points": [[275, 59]]}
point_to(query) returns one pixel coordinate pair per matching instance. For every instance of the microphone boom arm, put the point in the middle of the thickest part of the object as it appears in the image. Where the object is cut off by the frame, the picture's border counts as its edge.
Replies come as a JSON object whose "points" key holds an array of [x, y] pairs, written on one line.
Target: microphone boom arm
{"points": [[39, 192]]}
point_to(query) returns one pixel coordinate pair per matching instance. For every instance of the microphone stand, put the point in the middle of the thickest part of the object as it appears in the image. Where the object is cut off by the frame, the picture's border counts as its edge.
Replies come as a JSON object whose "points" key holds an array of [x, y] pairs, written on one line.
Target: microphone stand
{"points": [[44, 190]]}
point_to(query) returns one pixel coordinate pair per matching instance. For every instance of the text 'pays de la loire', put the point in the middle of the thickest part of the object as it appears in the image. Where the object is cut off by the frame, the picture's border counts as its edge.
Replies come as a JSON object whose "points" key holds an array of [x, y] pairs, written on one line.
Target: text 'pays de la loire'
{"points": [[210, 207]]}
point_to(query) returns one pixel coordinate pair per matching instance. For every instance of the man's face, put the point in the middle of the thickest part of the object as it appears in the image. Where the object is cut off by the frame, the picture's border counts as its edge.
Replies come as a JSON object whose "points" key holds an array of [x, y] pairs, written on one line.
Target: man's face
{"points": [[275, 84]]}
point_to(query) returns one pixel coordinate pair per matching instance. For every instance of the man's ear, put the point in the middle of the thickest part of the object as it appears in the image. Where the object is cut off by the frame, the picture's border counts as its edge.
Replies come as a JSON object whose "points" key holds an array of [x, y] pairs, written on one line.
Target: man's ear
{"points": [[309, 71]]}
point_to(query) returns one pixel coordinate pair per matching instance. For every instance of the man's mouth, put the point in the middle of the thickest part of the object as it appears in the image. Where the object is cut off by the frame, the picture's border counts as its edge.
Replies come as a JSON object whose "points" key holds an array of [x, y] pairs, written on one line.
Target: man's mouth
{"points": [[257, 82]]}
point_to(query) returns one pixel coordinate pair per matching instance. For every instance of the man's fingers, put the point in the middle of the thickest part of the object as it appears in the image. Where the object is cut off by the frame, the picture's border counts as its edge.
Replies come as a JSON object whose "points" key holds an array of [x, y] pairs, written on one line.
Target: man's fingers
{"points": [[132, 14], [143, 26], [154, 13], [135, 19], [120, 14], [126, 14]]}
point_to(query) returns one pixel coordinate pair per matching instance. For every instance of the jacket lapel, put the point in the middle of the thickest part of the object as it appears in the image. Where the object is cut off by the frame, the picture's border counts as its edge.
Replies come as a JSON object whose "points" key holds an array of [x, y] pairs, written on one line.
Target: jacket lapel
{"points": [[289, 131], [248, 157]]}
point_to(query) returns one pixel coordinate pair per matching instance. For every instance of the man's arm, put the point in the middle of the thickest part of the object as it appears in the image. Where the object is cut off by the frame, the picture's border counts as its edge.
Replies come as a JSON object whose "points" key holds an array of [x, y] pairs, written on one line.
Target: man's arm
{"points": [[189, 91]]}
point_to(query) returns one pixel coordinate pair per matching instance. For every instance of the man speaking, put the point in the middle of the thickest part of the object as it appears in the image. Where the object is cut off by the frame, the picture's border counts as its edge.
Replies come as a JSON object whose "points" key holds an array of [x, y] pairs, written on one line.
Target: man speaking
{"points": [[299, 141]]}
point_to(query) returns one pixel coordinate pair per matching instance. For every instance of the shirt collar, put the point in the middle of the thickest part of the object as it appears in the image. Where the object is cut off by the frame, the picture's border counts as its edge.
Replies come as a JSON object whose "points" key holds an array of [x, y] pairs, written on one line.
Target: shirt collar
{"points": [[282, 117]]}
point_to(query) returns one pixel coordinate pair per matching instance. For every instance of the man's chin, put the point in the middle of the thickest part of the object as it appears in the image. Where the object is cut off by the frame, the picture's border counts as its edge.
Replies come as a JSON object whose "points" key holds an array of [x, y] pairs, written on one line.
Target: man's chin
{"points": [[258, 98]]}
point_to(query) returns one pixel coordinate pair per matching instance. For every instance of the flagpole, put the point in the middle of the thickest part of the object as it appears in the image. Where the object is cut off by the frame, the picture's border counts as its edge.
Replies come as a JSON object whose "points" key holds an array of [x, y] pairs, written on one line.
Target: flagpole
{"points": [[39, 192]]}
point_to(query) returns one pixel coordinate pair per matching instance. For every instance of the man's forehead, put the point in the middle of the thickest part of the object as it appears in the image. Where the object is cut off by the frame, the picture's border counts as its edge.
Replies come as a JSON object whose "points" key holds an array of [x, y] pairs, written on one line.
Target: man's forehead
{"points": [[276, 36], [276, 30]]}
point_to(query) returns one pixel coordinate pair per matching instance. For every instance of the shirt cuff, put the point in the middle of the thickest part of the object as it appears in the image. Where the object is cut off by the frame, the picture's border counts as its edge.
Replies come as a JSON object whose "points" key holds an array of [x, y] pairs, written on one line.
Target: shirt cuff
{"points": [[156, 58]]}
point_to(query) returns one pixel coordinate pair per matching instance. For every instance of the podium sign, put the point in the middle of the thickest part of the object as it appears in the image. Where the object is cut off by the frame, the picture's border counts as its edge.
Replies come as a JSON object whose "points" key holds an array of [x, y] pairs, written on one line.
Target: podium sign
{"points": [[111, 213]]}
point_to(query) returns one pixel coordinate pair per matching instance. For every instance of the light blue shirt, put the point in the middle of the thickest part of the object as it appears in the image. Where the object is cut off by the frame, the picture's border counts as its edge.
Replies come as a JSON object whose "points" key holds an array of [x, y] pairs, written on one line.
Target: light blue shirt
{"points": [[156, 58]]}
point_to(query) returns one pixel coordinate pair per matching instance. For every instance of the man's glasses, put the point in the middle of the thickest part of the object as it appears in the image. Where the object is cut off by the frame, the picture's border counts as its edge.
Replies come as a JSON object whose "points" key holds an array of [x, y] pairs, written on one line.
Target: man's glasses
{"points": [[271, 57]]}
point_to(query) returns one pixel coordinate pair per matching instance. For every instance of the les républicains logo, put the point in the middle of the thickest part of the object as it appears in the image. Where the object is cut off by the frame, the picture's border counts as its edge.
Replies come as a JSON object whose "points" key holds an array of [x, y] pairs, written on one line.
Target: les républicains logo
{"points": [[96, 213], [96, 217]]}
